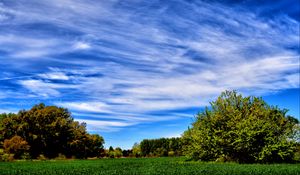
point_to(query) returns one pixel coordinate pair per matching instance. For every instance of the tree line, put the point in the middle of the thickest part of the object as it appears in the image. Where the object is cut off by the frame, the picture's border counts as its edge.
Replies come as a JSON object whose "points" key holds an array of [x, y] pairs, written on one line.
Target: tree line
{"points": [[232, 128], [161, 147]]}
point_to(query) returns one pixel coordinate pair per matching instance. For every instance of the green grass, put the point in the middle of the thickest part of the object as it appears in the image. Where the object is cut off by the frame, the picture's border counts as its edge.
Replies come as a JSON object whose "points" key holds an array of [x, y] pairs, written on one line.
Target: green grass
{"points": [[142, 166]]}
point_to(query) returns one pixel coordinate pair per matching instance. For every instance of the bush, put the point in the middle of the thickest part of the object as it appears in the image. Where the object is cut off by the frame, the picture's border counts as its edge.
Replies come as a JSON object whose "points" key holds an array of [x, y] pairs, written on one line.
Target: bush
{"points": [[118, 152], [136, 150], [61, 157], [16, 145], [26, 156], [223, 158], [41, 157], [171, 153], [111, 154], [7, 157]]}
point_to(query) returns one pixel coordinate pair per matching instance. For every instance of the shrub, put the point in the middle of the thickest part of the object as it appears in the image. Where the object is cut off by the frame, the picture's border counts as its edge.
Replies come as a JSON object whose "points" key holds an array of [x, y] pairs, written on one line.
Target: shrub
{"points": [[60, 157], [26, 156], [171, 153], [7, 157], [16, 145], [136, 150], [41, 157], [118, 152]]}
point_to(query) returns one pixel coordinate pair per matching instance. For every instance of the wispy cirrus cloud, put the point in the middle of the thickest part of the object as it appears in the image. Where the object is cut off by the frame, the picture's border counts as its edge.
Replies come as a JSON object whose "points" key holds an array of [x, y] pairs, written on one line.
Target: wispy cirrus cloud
{"points": [[129, 59], [85, 106], [106, 126]]}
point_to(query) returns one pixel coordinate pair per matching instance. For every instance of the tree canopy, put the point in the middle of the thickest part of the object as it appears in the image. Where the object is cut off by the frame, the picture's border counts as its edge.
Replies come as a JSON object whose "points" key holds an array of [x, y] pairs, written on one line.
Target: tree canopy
{"points": [[48, 130], [242, 129]]}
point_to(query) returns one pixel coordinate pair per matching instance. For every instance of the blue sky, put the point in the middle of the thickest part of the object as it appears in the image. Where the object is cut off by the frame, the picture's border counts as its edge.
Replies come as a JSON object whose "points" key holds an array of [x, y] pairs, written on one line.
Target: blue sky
{"points": [[134, 69]]}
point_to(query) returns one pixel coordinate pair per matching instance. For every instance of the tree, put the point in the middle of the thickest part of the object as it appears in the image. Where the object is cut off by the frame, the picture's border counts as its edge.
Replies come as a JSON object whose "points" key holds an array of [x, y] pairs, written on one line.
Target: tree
{"points": [[242, 129], [16, 146], [111, 152], [127, 153], [136, 150], [94, 145], [118, 152], [2, 126], [50, 130], [161, 147]]}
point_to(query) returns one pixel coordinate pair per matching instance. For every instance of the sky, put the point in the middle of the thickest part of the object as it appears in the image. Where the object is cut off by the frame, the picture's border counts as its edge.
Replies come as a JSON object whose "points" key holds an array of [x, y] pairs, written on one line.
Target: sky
{"points": [[136, 69]]}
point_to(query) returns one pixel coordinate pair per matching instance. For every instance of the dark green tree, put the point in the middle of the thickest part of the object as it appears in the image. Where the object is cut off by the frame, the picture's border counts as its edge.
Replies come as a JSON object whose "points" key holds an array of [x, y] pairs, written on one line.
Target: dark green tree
{"points": [[50, 130], [242, 129], [127, 153]]}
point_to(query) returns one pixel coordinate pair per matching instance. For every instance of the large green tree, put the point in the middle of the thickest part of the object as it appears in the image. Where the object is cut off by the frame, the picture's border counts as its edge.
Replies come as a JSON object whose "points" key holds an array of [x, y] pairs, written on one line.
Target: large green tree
{"points": [[242, 129], [50, 130]]}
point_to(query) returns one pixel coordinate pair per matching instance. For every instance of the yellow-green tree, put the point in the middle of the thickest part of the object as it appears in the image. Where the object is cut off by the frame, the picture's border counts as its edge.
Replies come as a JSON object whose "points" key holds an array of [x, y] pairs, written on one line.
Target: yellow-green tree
{"points": [[136, 150], [242, 129]]}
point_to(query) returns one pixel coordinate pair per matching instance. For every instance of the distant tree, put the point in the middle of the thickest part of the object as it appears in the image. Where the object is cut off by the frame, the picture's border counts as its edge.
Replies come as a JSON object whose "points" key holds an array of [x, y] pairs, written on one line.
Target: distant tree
{"points": [[127, 153], [175, 145], [242, 129], [118, 152], [161, 147], [50, 130], [111, 152], [136, 150], [2, 116], [145, 147]]}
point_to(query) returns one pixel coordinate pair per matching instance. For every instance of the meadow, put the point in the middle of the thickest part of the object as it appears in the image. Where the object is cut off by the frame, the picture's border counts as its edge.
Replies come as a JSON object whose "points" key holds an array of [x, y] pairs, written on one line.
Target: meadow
{"points": [[143, 166]]}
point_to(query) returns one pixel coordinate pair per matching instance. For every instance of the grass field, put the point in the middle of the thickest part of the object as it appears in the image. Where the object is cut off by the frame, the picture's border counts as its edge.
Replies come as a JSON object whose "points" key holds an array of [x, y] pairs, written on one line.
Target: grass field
{"points": [[142, 166]]}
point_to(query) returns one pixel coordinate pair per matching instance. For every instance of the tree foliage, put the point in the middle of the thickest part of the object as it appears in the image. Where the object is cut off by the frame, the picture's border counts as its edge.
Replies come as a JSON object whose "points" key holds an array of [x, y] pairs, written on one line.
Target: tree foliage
{"points": [[161, 147], [50, 130], [242, 129], [118, 152], [16, 146], [136, 150]]}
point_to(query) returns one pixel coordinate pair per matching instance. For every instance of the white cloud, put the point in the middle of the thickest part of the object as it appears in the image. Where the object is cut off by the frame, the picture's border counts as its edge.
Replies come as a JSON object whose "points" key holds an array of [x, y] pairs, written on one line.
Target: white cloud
{"points": [[85, 106], [104, 126], [81, 46], [39, 87], [55, 76], [45, 89]]}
